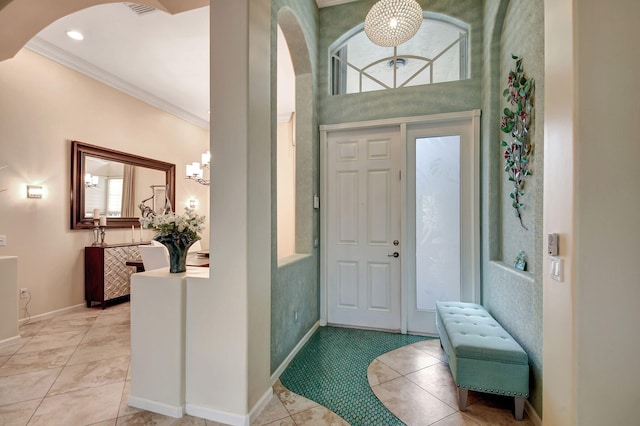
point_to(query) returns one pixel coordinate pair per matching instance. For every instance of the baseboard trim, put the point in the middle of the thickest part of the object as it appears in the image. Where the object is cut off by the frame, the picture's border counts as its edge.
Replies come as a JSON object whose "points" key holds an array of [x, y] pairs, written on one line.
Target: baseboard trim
{"points": [[216, 415], [276, 374], [9, 341], [51, 314], [175, 411], [533, 415], [261, 404]]}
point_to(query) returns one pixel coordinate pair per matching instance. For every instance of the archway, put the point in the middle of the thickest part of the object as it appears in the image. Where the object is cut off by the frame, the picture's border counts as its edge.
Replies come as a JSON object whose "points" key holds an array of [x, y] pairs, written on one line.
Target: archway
{"points": [[21, 20], [303, 128]]}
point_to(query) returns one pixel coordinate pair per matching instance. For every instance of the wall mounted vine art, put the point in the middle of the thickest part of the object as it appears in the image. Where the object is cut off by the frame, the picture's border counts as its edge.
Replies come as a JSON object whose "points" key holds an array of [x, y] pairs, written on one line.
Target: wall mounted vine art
{"points": [[516, 119]]}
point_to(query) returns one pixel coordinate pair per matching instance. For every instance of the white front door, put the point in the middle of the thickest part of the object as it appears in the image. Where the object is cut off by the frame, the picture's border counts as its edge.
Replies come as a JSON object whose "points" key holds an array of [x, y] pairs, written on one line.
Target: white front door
{"points": [[363, 228]]}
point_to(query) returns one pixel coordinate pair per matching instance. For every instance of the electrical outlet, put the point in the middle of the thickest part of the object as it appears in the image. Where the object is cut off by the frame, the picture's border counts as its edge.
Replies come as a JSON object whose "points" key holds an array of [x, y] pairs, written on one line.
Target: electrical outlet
{"points": [[24, 293], [3, 240]]}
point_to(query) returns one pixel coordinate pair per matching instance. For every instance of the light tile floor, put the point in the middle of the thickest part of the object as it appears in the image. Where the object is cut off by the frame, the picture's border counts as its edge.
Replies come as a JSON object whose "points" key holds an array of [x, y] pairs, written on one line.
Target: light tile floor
{"points": [[415, 384], [73, 370]]}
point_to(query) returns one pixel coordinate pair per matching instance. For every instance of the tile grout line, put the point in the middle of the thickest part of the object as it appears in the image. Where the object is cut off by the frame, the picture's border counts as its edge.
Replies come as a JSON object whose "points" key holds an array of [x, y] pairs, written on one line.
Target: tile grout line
{"points": [[44, 330], [124, 382], [59, 373], [291, 415], [45, 395], [67, 362], [388, 366], [123, 389], [426, 390], [440, 362], [118, 416]]}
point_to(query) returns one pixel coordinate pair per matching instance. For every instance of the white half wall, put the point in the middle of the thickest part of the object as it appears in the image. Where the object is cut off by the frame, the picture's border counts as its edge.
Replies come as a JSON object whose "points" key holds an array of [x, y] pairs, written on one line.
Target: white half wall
{"points": [[8, 298]]}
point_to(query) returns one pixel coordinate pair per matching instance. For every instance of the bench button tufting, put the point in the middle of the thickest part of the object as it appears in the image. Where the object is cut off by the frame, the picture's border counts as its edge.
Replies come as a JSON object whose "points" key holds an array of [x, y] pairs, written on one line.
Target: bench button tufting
{"points": [[464, 320]]}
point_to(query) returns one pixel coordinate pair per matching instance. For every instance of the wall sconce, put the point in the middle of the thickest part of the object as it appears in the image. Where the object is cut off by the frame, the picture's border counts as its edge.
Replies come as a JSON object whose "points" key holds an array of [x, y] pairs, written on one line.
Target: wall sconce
{"points": [[91, 181], [193, 204], [34, 191]]}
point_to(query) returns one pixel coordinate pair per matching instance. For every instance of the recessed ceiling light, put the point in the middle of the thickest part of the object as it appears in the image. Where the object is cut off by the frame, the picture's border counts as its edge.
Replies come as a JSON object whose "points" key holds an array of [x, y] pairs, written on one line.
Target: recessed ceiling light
{"points": [[76, 35]]}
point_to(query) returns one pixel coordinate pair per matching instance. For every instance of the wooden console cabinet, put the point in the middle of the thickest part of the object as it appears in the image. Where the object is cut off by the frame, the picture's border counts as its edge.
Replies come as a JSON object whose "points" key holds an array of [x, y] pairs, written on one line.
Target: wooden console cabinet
{"points": [[107, 278]]}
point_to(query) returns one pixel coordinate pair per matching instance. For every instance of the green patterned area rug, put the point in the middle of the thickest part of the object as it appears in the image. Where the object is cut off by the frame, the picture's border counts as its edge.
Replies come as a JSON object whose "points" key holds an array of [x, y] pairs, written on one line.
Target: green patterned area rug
{"points": [[331, 369]]}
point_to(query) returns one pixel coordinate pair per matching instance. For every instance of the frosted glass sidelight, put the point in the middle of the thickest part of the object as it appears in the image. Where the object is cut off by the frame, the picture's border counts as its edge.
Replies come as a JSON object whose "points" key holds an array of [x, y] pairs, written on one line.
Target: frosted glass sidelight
{"points": [[438, 193]]}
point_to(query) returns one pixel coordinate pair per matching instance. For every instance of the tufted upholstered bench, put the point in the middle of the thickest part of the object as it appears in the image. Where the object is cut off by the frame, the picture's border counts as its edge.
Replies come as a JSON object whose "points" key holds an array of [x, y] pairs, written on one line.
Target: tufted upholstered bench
{"points": [[482, 355]]}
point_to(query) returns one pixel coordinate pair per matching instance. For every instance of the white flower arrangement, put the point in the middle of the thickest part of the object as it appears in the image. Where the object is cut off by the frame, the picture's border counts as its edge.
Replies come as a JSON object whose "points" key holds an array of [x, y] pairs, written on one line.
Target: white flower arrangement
{"points": [[185, 227]]}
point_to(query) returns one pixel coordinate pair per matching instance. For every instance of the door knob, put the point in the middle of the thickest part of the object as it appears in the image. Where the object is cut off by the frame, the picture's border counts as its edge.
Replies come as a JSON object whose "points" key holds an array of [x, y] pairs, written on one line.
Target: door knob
{"points": [[395, 254]]}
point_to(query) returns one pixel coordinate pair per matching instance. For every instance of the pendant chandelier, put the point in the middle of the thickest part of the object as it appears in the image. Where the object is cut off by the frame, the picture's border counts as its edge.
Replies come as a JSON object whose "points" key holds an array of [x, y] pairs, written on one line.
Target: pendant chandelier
{"points": [[195, 172], [390, 23], [91, 181]]}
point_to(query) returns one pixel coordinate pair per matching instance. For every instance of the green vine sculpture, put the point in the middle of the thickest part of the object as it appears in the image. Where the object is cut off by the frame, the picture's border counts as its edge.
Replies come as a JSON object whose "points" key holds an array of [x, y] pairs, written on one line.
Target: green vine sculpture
{"points": [[516, 120]]}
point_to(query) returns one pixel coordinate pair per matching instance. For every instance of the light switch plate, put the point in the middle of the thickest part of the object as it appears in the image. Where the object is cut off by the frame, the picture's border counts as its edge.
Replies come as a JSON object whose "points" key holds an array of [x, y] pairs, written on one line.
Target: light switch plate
{"points": [[3, 240], [557, 269]]}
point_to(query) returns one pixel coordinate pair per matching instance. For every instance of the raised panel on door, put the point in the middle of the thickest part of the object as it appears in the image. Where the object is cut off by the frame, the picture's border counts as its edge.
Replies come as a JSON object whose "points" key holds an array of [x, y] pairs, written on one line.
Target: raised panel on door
{"points": [[347, 284], [378, 206], [346, 151], [347, 207], [379, 149], [380, 286]]}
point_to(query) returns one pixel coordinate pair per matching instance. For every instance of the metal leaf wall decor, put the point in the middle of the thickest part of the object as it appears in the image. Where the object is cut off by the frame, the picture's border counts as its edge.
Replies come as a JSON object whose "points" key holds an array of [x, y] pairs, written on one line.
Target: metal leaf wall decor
{"points": [[516, 119]]}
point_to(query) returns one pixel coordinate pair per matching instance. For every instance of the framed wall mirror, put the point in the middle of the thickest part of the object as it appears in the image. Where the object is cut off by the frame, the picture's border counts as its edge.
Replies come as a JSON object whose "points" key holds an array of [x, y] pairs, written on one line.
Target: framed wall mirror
{"points": [[116, 183]]}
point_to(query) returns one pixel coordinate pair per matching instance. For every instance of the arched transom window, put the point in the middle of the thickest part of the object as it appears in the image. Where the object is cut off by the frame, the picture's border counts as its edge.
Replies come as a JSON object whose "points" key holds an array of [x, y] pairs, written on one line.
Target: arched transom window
{"points": [[439, 52]]}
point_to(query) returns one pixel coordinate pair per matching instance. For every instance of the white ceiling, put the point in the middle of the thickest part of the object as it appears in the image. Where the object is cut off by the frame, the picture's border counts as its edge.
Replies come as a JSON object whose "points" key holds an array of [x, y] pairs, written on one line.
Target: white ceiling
{"points": [[159, 58]]}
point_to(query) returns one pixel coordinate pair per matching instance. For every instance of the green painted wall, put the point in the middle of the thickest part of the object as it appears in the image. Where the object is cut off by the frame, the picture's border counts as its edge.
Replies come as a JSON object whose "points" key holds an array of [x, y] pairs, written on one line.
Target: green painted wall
{"points": [[295, 289], [513, 297], [294, 286]]}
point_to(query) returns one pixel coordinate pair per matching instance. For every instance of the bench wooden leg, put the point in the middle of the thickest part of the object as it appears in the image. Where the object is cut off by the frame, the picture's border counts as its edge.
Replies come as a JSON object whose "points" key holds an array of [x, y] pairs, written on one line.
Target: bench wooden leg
{"points": [[519, 403], [462, 399]]}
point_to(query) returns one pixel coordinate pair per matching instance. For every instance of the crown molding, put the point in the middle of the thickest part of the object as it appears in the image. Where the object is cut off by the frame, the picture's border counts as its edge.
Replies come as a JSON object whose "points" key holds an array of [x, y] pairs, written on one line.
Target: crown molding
{"points": [[69, 60]]}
